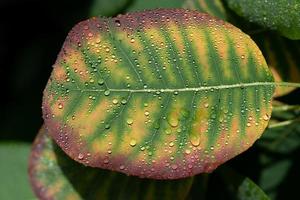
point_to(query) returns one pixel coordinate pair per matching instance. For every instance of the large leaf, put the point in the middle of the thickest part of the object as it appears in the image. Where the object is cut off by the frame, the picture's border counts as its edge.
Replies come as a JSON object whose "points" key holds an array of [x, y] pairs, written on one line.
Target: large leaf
{"points": [[280, 15], [212, 7], [161, 94], [55, 176], [14, 183]]}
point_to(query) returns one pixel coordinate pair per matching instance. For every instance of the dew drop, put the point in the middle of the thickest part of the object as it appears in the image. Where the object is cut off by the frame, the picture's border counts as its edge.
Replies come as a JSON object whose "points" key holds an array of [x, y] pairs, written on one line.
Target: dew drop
{"points": [[118, 23], [105, 161], [173, 122], [124, 101], [60, 106], [171, 144], [107, 126], [195, 140], [206, 105], [100, 81], [106, 92], [129, 121], [174, 166], [132, 142], [147, 113], [80, 156], [187, 151], [115, 101], [122, 167], [266, 117]]}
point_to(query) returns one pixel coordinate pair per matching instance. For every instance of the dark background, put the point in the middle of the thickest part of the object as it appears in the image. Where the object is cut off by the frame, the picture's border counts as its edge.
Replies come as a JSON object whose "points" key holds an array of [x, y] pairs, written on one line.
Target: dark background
{"points": [[31, 35]]}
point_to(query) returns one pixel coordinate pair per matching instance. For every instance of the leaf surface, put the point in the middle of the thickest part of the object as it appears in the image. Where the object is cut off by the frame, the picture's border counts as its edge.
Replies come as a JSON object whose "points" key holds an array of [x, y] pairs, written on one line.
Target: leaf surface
{"points": [[55, 176], [280, 15], [162, 94]]}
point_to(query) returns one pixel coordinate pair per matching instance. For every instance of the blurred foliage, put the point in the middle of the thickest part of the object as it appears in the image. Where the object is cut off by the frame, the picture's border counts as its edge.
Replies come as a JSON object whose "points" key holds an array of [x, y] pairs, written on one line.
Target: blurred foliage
{"points": [[32, 33], [13, 171]]}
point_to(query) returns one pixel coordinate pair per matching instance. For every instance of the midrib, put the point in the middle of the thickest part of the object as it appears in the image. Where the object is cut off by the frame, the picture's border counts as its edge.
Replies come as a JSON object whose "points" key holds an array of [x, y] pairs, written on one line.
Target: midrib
{"points": [[194, 89]]}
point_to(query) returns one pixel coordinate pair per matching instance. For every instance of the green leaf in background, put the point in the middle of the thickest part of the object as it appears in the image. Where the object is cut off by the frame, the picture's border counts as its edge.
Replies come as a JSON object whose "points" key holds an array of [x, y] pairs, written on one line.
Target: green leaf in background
{"points": [[242, 188], [108, 8], [55, 176], [248, 190], [282, 56], [162, 94], [282, 139], [138, 5], [280, 15], [14, 182], [212, 7], [273, 174], [283, 134]]}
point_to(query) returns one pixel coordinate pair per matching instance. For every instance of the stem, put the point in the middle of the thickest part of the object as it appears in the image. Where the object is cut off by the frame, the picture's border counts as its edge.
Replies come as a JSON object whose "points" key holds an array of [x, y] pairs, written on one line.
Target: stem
{"points": [[287, 84], [284, 123], [285, 108]]}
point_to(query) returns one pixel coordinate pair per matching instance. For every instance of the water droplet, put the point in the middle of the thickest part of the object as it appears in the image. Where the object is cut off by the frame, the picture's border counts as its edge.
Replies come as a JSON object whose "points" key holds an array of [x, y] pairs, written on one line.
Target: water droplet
{"points": [[206, 105], [106, 92], [266, 117], [132, 142], [173, 122], [118, 23], [115, 101], [60, 106], [122, 167], [171, 144], [100, 81], [105, 161], [147, 113], [187, 151], [129, 121], [123, 101], [248, 124], [174, 166], [80, 156], [107, 126], [195, 140]]}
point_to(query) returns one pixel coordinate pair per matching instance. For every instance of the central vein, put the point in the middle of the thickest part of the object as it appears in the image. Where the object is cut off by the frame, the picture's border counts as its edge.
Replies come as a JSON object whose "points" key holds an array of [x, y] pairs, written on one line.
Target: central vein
{"points": [[202, 88]]}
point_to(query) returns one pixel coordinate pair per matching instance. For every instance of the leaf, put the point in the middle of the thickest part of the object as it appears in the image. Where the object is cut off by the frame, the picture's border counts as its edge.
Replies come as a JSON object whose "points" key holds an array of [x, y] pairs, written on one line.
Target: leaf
{"points": [[55, 176], [284, 140], [282, 56], [248, 190], [107, 8], [242, 187], [212, 7], [274, 173], [14, 182], [280, 15], [161, 94]]}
